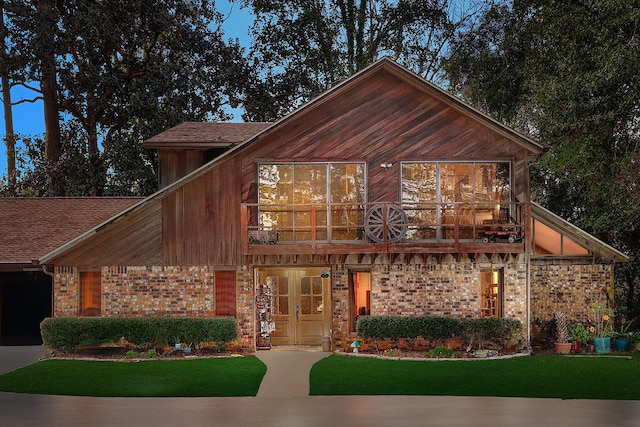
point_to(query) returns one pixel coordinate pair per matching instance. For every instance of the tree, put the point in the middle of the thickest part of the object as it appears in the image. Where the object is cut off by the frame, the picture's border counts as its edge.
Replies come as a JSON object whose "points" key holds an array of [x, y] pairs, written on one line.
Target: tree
{"points": [[567, 73], [5, 81], [119, 64], [301, 48]]}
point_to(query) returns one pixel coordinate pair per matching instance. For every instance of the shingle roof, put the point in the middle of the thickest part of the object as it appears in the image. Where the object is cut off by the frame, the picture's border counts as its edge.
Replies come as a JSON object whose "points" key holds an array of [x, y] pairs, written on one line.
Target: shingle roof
{"points": [[31, 227], [205, 135]]}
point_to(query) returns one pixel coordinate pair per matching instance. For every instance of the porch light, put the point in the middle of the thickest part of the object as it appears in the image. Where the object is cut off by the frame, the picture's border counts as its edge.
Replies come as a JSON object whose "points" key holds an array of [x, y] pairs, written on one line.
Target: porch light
{"points": [[386, 165]]}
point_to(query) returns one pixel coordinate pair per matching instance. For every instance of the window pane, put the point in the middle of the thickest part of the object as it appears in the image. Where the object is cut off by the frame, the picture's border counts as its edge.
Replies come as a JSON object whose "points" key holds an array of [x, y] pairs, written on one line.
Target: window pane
{"points": [[347, 195], [317, 286], [419, 197], [275, 196], [310, 190]]}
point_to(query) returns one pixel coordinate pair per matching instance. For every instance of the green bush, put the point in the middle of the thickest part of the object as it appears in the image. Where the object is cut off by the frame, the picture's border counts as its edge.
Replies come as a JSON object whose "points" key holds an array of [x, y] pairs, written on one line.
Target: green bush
{"points": [[439, 328], [67, 333]]}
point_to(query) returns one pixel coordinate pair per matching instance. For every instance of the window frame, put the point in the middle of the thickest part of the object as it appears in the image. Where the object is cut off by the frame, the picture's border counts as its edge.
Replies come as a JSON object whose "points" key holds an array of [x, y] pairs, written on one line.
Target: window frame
{"points": [[329, 235]]}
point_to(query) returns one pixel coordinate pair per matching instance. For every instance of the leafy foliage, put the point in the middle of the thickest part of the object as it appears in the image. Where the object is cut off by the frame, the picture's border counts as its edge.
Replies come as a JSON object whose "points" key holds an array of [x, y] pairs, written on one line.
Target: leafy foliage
{"points": [[301, 48], [67, 333], [566, 73], [439, 328], [123, 72]]}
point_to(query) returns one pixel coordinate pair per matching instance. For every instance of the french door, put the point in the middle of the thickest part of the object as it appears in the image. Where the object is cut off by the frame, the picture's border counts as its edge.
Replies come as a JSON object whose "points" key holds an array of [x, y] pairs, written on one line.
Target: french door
{"points": [[300, 304]]}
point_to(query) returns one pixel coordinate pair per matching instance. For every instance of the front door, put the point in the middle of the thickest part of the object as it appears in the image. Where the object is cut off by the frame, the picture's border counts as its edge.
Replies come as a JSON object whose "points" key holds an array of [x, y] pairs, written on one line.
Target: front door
{"points": [[300, 304]]}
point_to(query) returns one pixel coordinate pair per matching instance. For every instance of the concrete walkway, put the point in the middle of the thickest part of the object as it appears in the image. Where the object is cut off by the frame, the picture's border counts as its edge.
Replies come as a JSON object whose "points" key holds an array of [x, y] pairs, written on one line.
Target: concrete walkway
{"points": [[295, 408], [287, 372]]}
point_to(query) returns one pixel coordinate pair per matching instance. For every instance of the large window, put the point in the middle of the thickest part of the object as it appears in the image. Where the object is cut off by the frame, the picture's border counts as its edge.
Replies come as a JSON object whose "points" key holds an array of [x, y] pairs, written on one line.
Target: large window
{"points": [[90, 293], [312, 201], [436, 195]]}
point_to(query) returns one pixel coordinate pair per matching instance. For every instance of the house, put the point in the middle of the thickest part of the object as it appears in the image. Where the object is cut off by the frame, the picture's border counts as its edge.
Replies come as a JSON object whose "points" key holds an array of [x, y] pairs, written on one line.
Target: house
{"points": [[383, 196], [30, 228]]}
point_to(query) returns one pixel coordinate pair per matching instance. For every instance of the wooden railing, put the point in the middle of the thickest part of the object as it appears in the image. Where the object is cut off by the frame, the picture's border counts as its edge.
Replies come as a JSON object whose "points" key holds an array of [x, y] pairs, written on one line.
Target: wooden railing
{"points": [[371, 224]]}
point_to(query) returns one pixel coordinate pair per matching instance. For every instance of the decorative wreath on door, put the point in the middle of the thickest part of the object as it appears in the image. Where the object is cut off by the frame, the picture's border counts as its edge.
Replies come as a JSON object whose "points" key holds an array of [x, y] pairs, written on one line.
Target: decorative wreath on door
{"points": [[396, 223]]}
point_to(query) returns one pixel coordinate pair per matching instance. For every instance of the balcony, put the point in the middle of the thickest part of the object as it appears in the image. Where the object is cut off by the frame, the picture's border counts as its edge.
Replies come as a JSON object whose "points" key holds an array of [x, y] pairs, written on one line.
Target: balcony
{"points": [[339, 228]]}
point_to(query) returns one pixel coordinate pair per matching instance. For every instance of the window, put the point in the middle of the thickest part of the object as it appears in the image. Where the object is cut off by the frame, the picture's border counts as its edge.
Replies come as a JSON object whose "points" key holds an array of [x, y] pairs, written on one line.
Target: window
{"points": [[90, 293], [547, 241], [312, 201], [437, 194], [359, 297], [491, 298], [225, 293]]}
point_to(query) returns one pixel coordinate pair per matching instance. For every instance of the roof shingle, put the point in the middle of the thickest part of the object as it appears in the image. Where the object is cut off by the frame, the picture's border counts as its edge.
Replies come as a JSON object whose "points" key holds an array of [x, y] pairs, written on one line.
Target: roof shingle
{"points": [[194, 134], [31, 227]]}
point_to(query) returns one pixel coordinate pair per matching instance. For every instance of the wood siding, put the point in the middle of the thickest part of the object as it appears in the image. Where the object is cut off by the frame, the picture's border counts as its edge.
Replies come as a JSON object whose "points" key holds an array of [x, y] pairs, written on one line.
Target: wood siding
{"points": [[201, 223], [383, 119], [133, 239]]}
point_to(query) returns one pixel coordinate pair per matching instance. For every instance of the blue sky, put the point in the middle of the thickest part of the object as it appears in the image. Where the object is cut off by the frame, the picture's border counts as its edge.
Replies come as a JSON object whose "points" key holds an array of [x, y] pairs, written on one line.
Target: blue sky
{"points": [[28, 117]]}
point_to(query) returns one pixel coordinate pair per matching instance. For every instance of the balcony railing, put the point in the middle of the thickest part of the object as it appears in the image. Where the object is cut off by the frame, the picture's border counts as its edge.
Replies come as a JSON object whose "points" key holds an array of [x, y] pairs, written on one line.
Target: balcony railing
{"points": [[375, 224]]}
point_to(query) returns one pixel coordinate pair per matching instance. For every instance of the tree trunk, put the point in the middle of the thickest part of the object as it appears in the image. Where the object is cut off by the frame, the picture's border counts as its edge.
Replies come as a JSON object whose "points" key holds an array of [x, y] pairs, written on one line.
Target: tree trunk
{"points": [[10, 138], [48, 86]]}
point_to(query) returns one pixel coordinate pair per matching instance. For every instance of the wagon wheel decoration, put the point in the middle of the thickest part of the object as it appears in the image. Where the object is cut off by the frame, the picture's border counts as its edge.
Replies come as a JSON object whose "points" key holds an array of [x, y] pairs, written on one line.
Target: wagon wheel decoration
{"points": [[396, 223]]}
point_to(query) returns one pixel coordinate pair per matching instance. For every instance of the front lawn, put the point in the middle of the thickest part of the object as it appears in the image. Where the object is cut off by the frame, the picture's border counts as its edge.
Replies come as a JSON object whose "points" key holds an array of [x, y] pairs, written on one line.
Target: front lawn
{"points": [[209, 377], [543, 376]]}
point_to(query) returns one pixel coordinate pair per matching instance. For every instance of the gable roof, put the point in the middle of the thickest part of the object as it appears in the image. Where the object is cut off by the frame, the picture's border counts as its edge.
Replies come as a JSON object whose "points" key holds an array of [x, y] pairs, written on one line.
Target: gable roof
{"points": [[30, 227], [598, 247], [187, 134], [205, 135]]}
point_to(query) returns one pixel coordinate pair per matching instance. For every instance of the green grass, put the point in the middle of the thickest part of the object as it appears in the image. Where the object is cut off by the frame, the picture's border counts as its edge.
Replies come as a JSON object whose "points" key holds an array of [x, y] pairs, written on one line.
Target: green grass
{"points": [[213, 377], [536, 376]]}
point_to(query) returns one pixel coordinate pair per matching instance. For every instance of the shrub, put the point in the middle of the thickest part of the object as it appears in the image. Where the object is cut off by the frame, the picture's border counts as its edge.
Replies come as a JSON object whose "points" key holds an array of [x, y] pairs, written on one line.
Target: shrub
{"points": [[67, 333], [439, 352], [439, 328]]}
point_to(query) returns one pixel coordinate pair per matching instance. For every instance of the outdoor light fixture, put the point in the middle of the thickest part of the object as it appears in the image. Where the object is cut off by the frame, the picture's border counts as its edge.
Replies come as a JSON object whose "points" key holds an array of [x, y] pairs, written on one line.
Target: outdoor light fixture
{"points": [[386, 166]]}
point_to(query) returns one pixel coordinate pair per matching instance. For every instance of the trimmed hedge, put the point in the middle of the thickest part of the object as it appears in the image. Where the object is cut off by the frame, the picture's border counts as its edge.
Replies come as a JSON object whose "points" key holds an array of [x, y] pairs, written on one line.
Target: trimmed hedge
{"points": [[438, 328], [68, 333]]}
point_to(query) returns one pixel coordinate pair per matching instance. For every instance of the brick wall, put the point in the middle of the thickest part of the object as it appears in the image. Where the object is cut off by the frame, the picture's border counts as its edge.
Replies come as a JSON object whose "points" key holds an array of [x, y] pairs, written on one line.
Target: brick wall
{"points": [[572, 289], [444, 289], [441, 289], [134, 291]]}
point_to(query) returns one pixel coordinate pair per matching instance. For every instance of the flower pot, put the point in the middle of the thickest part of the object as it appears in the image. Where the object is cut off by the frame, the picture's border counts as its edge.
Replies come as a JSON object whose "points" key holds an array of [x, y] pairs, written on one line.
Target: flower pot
{"points": [[563, 347], [576, 347], [602, 345], [622, 344]]}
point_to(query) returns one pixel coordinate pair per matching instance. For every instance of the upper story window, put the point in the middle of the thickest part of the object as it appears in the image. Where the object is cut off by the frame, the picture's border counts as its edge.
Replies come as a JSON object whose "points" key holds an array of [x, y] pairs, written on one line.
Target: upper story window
{"points": [[548, 241], [437, 195], [312, 201]]}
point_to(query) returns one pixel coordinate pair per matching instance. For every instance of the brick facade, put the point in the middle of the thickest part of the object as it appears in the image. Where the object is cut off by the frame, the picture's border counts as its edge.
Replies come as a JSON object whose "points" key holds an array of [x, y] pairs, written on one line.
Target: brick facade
{"points": [[572, 289], [444, 289]]}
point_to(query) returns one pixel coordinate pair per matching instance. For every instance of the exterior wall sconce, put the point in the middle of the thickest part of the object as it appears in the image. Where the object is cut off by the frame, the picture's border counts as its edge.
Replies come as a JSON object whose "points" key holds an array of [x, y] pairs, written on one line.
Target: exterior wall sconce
{"points": [[386, 166]]}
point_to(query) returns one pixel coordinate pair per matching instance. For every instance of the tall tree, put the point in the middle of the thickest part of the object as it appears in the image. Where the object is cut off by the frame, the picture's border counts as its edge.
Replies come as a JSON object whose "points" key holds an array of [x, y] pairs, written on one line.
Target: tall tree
{"points": [[5, 82], [301, 48], [567, 72], [119, 64]]}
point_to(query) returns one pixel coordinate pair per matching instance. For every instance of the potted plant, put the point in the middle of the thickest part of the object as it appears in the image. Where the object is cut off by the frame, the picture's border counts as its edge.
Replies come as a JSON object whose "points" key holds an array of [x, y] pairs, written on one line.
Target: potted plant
{"points": [[579, 335], [187, 348], [562, 344], [624, 335], [601, 328]]}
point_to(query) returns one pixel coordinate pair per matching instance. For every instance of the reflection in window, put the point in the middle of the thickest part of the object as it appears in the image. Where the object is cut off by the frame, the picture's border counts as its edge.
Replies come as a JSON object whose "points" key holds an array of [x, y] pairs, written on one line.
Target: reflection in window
{"points": [[548, 241], [295, 196], [435, 194]]}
